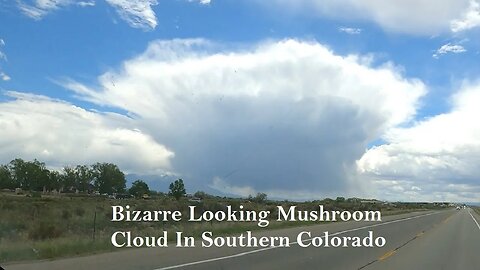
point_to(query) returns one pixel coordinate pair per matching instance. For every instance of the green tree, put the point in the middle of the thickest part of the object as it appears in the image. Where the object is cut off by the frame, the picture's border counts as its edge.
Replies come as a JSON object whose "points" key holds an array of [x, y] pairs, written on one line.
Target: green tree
{"points": [[39, 175], [6, 180], [19, 174], [177, 189], [68, 178], [260, 198], [108, 178], [83, 177], [77, 178], [30, 175], [55, 180], [139, 188], [202, 195]]}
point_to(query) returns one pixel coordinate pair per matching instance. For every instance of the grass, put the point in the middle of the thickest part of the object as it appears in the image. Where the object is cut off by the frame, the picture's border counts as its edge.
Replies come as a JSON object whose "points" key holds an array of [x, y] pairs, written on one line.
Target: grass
{"points": [[58, 226], [43, 228], [51, 248]]}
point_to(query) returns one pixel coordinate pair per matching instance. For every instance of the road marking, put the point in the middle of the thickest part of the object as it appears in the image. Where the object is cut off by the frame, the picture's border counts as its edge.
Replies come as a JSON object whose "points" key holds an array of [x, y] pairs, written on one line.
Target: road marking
{"points": [[386, 255], [292, 243], [476, 222], [216, 259], [447, 219]]}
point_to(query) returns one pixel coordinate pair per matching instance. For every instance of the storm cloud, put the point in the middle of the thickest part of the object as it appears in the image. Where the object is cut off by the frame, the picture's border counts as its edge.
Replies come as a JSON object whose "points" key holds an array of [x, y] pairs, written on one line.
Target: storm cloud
{"points": [[285, 117]]}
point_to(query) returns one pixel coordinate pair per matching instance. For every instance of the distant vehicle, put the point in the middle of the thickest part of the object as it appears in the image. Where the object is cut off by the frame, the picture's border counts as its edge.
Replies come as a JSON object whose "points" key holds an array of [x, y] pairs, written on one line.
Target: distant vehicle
{"points": [[458, 208]]}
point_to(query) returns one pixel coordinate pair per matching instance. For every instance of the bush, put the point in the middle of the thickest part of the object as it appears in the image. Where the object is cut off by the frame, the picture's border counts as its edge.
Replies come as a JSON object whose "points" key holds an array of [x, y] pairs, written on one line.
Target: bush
{"points": [[109, 215], [43, 230], [66, 214], [79, 211]]}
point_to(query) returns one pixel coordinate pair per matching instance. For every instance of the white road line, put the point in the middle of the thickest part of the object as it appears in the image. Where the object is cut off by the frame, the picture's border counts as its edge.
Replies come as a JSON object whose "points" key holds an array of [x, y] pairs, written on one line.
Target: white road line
{"points": [[292, 243], [474, 220]]}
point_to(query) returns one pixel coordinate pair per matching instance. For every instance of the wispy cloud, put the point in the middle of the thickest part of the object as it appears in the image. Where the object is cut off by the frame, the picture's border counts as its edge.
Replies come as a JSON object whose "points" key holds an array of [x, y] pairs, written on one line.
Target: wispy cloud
{"points": [[423, 17], [449, 48], [31, 11], [4, 77], [3, 57], [350, 30], [40, 8], [138, 14], [86, 3], [203, 2], [227, 188]]}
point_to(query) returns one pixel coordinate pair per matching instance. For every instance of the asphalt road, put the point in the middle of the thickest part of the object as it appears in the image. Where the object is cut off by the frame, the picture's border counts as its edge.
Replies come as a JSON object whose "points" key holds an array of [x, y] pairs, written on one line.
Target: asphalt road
{"points": [[447, 239]]}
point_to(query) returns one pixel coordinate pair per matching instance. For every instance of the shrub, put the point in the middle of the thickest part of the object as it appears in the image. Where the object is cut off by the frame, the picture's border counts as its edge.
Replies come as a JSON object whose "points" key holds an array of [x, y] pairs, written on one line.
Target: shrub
{"points": [[43, 230], [66, 214], [109, 215], [79, 211]]}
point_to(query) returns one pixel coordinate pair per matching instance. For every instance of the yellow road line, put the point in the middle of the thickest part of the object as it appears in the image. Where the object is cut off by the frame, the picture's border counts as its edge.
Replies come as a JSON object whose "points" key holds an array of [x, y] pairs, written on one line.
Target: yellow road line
{"points": [[386, 255], [447, 219]]}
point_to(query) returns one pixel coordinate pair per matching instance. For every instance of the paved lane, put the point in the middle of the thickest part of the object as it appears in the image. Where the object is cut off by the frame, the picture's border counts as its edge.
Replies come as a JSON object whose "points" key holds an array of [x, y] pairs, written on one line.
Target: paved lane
{"points": [[453, 244]]}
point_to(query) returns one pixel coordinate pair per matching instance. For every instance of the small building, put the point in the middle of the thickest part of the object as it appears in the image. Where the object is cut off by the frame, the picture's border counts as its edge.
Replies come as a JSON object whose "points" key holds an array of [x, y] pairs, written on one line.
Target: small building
{"points": [[195, 200]]}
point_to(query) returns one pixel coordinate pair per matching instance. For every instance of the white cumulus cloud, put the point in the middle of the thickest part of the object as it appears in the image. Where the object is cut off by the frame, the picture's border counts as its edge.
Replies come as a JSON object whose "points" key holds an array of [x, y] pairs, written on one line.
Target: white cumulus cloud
{"points": [[440, 155], [290, 117], [62, 134], [469, 20]]}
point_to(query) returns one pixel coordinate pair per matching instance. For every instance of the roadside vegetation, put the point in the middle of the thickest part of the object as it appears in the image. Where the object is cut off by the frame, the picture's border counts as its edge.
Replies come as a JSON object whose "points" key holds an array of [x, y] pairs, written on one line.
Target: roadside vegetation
{"points": [[54, 226], [48, 214]]}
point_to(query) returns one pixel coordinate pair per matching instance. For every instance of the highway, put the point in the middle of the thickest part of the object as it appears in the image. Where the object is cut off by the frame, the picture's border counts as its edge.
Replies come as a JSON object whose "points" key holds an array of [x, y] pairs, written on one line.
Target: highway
{"points": [[448, 239]]}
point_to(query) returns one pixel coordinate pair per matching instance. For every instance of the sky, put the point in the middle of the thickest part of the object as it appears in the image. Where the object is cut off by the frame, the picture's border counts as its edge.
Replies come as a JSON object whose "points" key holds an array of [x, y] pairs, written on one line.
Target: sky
{"points": [[299, 99]]}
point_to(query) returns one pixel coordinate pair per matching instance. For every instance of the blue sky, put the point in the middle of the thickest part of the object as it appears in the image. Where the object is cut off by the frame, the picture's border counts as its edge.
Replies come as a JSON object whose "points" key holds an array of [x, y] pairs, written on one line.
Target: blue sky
{"points": [[62, 49], [83, 42]]}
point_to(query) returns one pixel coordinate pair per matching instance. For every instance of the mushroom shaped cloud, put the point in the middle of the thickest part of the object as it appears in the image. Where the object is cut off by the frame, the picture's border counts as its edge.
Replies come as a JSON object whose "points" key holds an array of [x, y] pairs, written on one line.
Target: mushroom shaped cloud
{"points": [[286, 117]]}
